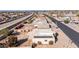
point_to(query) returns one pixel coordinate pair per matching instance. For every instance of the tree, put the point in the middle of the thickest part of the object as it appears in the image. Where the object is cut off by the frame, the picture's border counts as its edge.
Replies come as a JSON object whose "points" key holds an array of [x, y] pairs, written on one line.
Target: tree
{"points": [[66, 21], [39, 42], [5, 31]]}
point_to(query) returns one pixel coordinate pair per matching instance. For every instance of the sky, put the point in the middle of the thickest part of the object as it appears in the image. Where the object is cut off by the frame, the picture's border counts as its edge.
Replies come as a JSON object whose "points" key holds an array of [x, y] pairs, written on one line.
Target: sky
{"points": [[38, 4]]}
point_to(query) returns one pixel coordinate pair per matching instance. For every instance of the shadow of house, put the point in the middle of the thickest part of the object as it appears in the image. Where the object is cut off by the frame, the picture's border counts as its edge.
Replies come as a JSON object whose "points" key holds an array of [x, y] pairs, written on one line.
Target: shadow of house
{"points": [[15, 33], [21, 42]]}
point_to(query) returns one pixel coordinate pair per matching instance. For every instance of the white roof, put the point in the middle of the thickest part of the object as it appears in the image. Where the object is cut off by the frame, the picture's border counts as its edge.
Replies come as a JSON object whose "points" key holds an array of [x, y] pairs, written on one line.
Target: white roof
{"points": [[43, 32], [40, 32]]}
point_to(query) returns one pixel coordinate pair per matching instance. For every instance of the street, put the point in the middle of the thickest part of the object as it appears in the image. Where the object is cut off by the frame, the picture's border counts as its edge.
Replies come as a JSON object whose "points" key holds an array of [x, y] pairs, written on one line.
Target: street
{"points": [[73, 35]]}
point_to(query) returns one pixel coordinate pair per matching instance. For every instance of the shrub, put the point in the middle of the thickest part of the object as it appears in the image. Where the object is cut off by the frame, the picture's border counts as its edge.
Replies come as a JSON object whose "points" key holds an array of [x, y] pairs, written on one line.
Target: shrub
{"points": [[30, 21], [66, 21], [50, 42], [34, 45], [39, 43], [12, 40]]}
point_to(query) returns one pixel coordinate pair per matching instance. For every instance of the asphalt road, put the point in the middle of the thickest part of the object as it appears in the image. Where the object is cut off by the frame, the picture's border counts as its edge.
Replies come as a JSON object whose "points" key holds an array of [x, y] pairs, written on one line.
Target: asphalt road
{"points": [[73, 35]]}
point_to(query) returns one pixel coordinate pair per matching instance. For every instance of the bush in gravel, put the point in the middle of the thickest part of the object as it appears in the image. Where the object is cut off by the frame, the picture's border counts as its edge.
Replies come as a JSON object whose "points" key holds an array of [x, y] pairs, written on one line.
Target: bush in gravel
{"points": [[12, 40], [50, 42], [34, 45], [66, 21], [39, 43]]}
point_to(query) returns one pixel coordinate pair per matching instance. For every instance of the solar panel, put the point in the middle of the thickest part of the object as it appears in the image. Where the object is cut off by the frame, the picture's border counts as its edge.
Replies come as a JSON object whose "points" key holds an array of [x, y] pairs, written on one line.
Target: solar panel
{"points": [[43, 37]]}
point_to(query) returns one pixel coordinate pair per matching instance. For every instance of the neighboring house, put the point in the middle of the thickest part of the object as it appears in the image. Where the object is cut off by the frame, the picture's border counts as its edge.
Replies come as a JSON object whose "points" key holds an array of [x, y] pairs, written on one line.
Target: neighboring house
{"points": [[40, 23]]}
